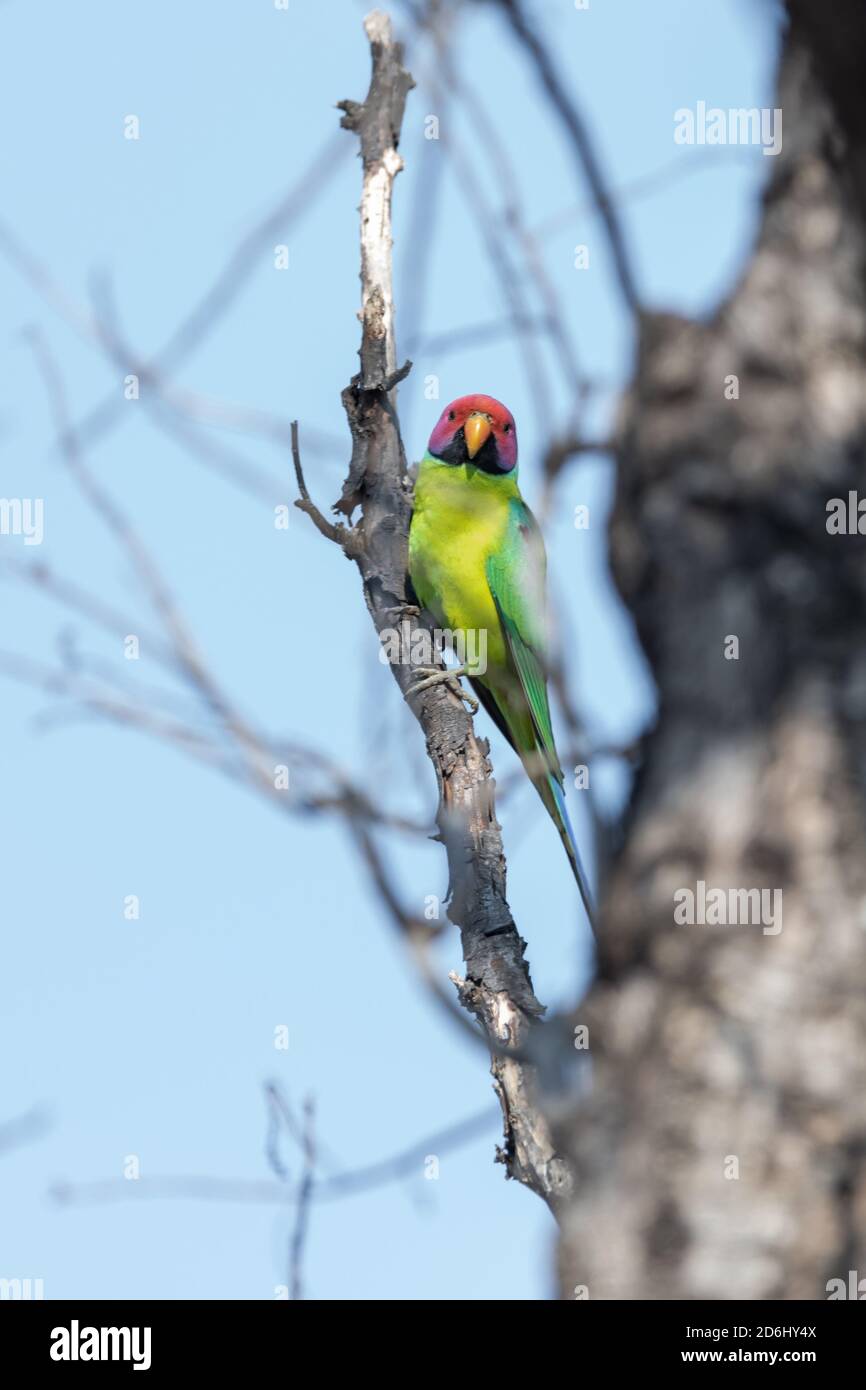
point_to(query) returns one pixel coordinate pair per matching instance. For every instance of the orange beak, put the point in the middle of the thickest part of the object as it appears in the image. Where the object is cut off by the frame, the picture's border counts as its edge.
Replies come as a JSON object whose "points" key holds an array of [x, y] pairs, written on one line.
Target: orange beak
{"points": [[476, 432]]}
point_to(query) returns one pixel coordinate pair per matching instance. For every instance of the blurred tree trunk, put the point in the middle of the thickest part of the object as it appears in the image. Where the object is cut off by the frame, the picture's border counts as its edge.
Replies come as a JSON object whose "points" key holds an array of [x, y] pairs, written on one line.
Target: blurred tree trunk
{"points": [[721, 1153]]}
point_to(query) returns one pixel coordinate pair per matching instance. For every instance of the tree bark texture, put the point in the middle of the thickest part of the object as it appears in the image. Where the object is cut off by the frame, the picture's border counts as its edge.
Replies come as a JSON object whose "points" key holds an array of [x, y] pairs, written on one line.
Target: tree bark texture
{"points": [[721, 1152]]}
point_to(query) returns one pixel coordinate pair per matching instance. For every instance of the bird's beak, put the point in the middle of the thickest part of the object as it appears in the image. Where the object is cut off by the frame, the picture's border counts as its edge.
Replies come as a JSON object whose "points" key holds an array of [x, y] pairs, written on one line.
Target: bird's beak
{"points": [[476, 432]]}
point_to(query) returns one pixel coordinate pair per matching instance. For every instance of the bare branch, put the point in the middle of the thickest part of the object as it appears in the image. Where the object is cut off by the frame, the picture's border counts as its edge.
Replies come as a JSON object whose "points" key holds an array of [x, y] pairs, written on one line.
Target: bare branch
{"points": [[349, 1182], [338, 534], [176, 411], [305, 1199], [572, 119], [442, 24], [185, 651], [234, 274], [718, 157], [498, 989], [377, 122]]}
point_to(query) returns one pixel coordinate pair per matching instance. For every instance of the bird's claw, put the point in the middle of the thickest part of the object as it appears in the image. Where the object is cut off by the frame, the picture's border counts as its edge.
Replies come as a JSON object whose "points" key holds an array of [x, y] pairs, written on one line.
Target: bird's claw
{"points": [[450, 678]]}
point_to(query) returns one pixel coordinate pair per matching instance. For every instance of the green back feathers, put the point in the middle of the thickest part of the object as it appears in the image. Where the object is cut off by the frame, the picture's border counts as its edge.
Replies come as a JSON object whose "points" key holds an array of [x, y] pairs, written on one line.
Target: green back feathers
{"points": [[517, 579]]}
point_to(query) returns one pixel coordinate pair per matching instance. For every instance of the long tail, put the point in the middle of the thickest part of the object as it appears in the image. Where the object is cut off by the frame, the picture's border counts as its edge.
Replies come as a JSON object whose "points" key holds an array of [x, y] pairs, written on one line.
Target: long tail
{"points": [[553, 796], [522, 733]]}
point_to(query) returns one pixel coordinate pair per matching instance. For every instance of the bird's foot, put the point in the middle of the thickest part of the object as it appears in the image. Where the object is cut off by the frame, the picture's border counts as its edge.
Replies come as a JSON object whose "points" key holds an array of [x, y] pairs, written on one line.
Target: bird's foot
{"points": [[450, 678]]}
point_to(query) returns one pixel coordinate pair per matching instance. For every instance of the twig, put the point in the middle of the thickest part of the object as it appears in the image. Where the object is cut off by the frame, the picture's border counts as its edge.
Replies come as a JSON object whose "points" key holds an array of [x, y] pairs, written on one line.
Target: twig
{"points": [[178, 413], [185, 651], [175, 410], [566, 108], [305, 1200], [719, 157], [507, 275], [350, 1182], [233, 275], [336, 533], [442, 25], [281, 1116]]}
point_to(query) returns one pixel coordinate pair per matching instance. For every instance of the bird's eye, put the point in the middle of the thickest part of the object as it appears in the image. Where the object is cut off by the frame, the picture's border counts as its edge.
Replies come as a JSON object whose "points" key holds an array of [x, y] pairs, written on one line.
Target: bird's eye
{"points": [[506, 427], [451, 415]]}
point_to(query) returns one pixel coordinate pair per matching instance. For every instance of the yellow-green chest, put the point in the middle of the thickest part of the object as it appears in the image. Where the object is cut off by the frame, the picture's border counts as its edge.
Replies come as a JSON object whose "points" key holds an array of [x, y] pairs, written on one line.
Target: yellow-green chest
{"points": [[461, 517]]}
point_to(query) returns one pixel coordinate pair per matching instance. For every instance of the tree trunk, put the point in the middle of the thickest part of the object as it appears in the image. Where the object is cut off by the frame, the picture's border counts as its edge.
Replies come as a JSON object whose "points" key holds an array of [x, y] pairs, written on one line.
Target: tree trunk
{"points": [[721, 1152]]}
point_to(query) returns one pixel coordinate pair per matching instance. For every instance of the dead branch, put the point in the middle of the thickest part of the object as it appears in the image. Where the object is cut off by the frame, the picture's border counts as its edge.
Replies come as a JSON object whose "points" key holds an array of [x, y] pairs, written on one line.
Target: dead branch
{"points": [[337, 534], [497, 989]]}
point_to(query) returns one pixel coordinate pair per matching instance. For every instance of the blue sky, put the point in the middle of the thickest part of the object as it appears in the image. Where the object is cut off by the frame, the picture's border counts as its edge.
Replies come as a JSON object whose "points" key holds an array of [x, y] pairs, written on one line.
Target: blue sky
{"points": [[153, 1037]]}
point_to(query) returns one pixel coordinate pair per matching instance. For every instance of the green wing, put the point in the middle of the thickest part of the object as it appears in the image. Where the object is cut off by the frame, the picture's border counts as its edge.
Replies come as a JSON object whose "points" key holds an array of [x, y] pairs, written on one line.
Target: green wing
{"points": [[518, 697], [517, 576]]}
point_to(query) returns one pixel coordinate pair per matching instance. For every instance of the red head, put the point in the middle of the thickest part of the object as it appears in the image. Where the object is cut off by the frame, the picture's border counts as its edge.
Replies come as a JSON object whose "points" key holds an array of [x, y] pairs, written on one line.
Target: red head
{"points": [[477, 430]]}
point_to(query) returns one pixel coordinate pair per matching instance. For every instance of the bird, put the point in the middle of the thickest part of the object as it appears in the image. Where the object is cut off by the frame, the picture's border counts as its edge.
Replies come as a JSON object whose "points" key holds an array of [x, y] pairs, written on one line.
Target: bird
{"points": [[477, 565]]}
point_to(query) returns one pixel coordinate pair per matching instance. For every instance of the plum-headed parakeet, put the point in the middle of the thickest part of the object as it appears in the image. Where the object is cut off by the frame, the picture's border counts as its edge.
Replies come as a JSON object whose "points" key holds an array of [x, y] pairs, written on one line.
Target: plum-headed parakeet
{"points": [[477, 564]]}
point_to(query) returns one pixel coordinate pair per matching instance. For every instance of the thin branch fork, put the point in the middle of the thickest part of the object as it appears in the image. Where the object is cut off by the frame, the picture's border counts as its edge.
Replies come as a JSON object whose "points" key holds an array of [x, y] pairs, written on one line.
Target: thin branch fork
{"points": [[336, 533]]}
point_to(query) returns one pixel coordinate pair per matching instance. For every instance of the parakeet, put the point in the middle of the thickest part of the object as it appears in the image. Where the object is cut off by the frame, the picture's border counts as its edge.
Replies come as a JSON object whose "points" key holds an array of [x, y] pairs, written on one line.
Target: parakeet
{"points": [[477, 564]]}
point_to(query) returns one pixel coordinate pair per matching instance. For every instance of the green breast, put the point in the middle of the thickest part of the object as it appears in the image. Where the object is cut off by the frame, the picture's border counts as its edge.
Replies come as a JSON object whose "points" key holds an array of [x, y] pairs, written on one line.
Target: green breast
{"points": [[461, 517]]}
